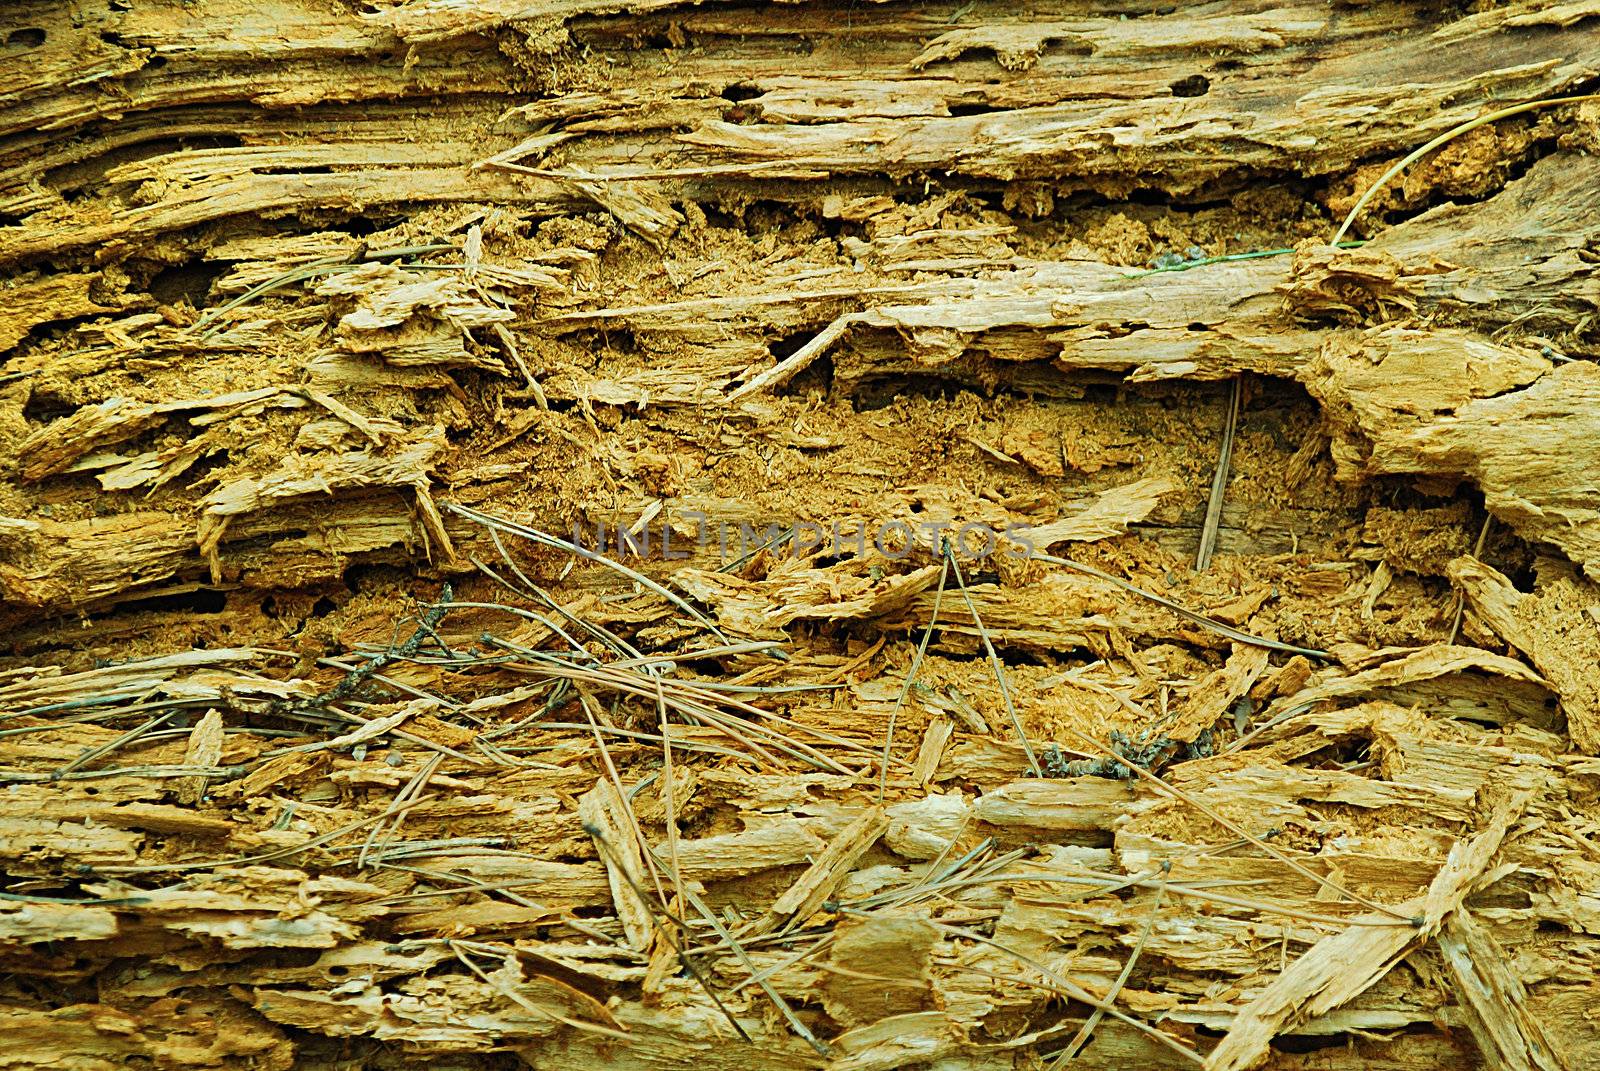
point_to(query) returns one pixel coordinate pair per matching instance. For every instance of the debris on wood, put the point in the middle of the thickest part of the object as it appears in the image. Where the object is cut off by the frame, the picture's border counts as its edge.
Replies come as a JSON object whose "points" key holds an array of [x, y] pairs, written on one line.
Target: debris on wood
{"points": [[805, 536]]}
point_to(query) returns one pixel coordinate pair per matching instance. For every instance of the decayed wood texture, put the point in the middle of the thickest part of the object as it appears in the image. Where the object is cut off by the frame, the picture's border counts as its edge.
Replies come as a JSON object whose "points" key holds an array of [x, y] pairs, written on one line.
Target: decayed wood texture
{"points": [[257, 892], [1258, 316], [1173, 100], [1280, 91], [290, 283]]}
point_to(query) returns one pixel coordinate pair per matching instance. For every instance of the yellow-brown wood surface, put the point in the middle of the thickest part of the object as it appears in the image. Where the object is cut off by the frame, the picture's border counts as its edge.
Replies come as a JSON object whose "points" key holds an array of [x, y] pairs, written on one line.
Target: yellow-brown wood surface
{"points": [[322, 323]]}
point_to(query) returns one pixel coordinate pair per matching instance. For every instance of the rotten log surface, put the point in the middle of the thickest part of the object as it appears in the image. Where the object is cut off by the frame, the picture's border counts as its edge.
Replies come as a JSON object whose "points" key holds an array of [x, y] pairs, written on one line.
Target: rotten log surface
{"points": [[291, 288]]}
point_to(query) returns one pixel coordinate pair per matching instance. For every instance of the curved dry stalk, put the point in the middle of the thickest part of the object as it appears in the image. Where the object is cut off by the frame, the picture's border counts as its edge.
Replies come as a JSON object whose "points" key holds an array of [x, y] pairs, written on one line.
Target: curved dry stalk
{"points": [[599, 632], [529, 615], [489, 520], [316, 267], [1219, 480], [1449, 135], [459, 948], [1461, 595]]}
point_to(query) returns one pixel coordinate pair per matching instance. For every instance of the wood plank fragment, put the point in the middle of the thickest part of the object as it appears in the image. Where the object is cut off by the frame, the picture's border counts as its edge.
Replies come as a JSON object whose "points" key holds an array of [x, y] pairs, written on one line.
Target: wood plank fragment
{"points": [[881, 968], [733, 855], [1427, 663], [1080, 804], [26, 305], [802, 899], [601, 809], [1509, 1035]]}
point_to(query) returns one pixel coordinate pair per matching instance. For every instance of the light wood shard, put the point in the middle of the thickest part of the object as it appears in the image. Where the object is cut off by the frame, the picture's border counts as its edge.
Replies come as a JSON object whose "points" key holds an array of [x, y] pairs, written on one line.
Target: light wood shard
{"points": [[1557, 627]]}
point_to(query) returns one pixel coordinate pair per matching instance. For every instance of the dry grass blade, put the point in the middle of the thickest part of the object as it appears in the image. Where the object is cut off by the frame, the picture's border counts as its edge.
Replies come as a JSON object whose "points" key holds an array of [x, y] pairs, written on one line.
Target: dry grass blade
{"points": [[1245, 740], [13, 777], [932, 876], [411, 791], [599, 632], [535, 616], [470, 883], [677, 947], [366, 730], [756, 977], [557, 543], [623, 804], [688, 893], [669, 803], [995, 665], [759, 978], [1226, 258], [1219, 480], [1104, 884], [733, 566], [94, 754], [705, 706], [649, 738]]}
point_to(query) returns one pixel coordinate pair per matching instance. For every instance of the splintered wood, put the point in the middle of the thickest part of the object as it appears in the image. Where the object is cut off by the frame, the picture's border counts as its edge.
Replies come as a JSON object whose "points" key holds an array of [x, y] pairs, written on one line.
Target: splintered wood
{"points": [[649, 535]]}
